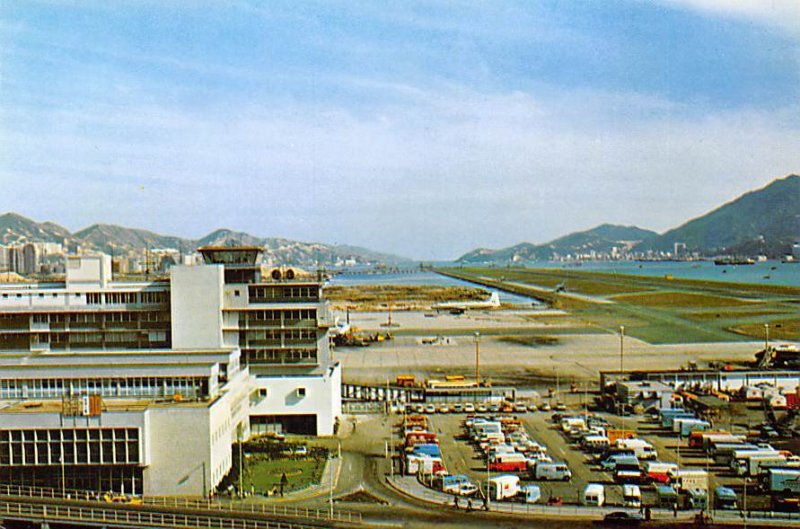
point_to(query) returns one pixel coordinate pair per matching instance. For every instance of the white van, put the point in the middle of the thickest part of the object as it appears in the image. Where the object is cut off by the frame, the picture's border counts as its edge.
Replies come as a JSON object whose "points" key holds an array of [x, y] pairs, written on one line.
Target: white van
{"points": [[631, 496], [552, 471], [594, 495]]}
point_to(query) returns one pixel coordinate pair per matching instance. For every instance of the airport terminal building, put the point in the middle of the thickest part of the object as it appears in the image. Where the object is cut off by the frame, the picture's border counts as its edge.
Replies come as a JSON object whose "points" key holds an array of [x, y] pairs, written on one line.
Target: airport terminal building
{"points": [[142, 387]]}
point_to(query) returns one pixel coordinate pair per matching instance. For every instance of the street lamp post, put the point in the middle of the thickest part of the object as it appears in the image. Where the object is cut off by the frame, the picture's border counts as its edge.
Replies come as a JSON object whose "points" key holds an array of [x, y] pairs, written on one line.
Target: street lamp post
{"points": [[766, 338], [621, 369], [478, 358]]}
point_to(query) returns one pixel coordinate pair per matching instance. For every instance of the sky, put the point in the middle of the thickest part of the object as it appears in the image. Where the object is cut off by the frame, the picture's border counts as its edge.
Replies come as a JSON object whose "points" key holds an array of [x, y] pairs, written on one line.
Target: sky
{"points": [[424, 129]]}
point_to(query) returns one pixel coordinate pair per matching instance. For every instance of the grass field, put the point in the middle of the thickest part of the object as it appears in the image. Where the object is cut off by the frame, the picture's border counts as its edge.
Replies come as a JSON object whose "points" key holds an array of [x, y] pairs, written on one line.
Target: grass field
{"points": [[680, 300], [264, 474], [656, 310], [788, 329]]}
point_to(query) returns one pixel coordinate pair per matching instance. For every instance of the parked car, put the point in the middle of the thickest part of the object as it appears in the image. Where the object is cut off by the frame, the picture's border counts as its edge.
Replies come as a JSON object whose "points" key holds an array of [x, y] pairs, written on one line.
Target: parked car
{"points": [[544, 407], [520, 407], [482, 408], [469, 407], [623, 518], [444, 408], [430, 408]]}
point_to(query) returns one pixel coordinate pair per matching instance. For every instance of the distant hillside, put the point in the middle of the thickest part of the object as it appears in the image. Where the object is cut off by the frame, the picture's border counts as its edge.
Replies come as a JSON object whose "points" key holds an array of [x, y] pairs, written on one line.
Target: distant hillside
{"points": [[113, 239], [16, 228], [763, 221], [600, 240]]}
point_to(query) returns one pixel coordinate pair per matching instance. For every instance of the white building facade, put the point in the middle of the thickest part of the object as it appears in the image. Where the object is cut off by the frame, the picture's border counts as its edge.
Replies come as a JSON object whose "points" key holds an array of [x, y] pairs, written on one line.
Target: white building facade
{"points": [[142, 387]]}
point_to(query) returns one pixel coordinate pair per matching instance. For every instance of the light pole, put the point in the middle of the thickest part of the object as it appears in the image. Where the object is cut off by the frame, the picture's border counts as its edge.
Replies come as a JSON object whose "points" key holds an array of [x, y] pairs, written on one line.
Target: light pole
{"points": [[488, 486], [621, 370], [241, 463], [478, 358], [744, 503], [766, 338]]}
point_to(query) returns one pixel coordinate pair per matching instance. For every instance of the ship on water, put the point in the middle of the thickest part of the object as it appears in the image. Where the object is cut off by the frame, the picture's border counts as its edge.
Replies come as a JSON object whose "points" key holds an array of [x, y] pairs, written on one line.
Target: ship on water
{"points": [[724, 261]]}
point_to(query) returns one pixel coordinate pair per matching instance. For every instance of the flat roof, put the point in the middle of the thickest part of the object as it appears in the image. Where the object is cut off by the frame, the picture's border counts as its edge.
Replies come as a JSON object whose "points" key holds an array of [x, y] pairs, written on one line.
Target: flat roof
{"points": [[111, 405]]}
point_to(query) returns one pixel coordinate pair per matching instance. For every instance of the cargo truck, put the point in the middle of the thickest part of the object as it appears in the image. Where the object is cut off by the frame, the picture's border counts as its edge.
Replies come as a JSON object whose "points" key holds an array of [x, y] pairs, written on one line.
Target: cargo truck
{"points": [[508, 462], [782, 481], [725, 499], [503, 487], [686, 479], [657, 470], [740, 461], [641, 448]]}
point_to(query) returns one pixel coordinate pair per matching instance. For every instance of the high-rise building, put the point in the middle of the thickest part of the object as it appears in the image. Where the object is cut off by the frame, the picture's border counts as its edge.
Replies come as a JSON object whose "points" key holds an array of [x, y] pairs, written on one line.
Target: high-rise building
{"points": [[144, 386]]}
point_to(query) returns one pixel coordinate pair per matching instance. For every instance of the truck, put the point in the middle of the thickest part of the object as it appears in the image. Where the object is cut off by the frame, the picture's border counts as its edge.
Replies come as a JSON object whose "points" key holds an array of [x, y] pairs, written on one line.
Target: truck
{"points": [[709, 441], [531, 493], [453, 484], [723, 453], [631, 496], [742, 463], [415, 437], [503, 487], [557, 471], [782, 481], [696, 499], [684, 427], [641, 448], [508, 462], [657, 470], [668, 421], [666, 496], [686, 479], [697, 438], [725, 499], [617, 460], [572, 423], [595, 443], [614, 434], [425, 464], [594, 495]]}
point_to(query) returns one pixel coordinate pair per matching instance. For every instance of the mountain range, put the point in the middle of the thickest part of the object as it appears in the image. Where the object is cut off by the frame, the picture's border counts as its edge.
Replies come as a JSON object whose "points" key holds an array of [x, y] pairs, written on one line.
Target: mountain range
{"points": [[114, 240], [765, 221]]}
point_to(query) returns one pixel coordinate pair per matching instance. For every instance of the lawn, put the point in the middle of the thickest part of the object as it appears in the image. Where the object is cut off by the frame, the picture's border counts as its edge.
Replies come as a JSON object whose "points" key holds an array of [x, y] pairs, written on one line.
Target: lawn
{"points": [[680, 300], [264, 474], [778, 330]]}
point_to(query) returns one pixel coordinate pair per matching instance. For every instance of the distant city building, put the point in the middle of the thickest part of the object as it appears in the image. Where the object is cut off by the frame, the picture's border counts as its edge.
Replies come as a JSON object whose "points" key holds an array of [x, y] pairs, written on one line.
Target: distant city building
{"points": [[143, 386]]}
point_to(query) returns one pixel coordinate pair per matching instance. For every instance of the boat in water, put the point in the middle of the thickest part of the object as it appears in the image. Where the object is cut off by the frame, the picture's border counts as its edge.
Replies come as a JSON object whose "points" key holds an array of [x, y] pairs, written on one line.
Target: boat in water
{"points": [[724, 261]]}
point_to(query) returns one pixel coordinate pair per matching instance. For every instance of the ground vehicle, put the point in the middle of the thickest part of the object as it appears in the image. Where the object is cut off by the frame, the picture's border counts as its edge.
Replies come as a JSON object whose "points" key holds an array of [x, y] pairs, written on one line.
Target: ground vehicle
{"points": [[426, 464], [615, 434], [725, 498], [544, 407], [519, 407], [657, 470], [454, 484], [595, 443], [687, 479], [444, 408], [685, 427], [709, 441], [723, 453], [594, 495], [696, 499], [666, 496], [121, 498], [613, 461], [508, 462], [622, 518], [503, 487], [494, 408], [570, 423], [749, 463], [552, 471], [531, 493], [533, 407], [669, 420], [469, 407], [631, 496], [458, 408], [630, 475], [482, 408], [782, 480], [414, 438], [430, 408], [697, 438], [641, 448]]}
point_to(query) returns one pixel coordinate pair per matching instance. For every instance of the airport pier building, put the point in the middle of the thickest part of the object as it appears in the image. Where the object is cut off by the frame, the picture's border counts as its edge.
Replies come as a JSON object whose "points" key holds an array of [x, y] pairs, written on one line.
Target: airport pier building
{"points": [[143, 387]]}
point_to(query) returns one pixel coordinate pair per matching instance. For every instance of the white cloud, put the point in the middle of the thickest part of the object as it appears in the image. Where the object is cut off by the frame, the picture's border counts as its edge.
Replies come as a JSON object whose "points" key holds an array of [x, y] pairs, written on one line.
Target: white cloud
{"points": [[434, 174], [782, 14]]}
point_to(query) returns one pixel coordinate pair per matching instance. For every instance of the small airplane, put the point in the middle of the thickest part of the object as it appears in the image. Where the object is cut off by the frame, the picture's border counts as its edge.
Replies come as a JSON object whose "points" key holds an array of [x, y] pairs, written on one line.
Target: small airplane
{"points": [[460, 307]]}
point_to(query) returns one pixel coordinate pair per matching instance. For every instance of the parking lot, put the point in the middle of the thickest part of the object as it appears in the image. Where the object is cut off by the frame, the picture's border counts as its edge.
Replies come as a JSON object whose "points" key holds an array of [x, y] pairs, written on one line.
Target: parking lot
{"points": [[463, 457]]}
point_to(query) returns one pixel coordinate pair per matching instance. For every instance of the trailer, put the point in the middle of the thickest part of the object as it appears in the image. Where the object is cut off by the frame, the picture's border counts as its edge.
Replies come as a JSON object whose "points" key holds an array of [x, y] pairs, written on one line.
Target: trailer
{"points": [[685, 479], [503, 487], [740, 461], [657, 471], [508, 462], [782, 481]]}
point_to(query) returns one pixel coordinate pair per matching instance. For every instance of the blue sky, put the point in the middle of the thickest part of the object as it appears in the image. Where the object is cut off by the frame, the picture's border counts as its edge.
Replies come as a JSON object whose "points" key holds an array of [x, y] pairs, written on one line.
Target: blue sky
{"points": [[423, 129]]}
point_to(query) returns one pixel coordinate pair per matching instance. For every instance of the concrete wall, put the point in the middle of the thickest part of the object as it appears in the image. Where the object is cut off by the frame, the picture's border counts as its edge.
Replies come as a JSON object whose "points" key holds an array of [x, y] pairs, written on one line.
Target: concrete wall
{"points": [[196, 306], [88, 271], [322, 398]]}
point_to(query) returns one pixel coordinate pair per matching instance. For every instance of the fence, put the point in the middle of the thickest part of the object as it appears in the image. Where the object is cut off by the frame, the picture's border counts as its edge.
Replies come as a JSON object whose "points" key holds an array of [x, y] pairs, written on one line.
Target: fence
{"points": [[69, 513], [185, 503]]}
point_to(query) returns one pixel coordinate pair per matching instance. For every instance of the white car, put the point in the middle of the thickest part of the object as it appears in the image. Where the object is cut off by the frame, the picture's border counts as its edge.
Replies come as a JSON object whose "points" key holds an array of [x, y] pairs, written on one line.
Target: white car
{"points": [[520, 408], [444, 408], [482, 408], [469, 407], [430, 408]]}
